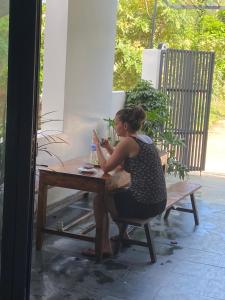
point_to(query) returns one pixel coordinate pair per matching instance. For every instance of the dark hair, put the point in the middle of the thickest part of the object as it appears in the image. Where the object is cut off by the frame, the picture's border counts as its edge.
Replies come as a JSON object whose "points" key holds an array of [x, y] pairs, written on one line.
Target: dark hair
{"points": [[134, 117]]}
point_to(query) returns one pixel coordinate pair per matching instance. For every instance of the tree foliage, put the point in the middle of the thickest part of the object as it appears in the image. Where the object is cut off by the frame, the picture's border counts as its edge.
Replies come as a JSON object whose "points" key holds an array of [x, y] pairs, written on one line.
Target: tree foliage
{"points": [[196, 29], [4, 25], [42, 47], [155, 106], [3, 51]]}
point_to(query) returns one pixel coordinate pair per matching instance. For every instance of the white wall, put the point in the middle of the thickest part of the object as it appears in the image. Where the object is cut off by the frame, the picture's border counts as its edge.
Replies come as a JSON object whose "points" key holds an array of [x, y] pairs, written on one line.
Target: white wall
{"points": [[118, 101], [151, 66], [90, 56], [55, 47], [89, 72], [78, 71]]}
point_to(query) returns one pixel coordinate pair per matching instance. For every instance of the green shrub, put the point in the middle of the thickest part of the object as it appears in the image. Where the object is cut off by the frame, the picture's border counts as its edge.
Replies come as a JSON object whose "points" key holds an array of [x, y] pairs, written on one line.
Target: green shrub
{"points": [[155, 104]]}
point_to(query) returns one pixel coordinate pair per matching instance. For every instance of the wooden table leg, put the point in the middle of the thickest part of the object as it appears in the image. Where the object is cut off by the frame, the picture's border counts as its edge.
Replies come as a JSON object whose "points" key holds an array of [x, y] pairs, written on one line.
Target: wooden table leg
{"points": [[100, 231], [41, 213], [98, 244]]}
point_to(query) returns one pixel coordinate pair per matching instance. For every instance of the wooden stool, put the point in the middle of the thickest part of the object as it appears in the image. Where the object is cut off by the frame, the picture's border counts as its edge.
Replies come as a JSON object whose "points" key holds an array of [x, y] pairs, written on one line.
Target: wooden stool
{"points": [[175, 193], [140, 223]]}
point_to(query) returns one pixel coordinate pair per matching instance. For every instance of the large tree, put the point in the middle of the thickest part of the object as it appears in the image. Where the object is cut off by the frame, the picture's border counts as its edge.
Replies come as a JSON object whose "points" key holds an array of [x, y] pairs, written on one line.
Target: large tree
{"points": [[196, 29]]}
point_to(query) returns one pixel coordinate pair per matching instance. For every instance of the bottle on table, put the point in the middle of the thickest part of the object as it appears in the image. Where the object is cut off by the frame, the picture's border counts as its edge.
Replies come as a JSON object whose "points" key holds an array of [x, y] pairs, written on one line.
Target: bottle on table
{"points": [[60, 225], [93, 155]]}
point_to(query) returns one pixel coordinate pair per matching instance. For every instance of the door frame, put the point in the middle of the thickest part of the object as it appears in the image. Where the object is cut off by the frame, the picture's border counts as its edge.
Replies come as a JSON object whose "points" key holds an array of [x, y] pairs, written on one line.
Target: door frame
{"points": [[22, 98]]}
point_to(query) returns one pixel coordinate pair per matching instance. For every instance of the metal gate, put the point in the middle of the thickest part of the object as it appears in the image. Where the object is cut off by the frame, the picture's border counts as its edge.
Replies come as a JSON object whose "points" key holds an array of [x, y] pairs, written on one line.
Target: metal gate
{"points": [[186, 77]]}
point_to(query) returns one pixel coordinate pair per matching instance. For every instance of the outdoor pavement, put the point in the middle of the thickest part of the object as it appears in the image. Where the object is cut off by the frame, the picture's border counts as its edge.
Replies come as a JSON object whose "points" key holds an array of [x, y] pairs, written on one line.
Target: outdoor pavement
{"points": [[215, 157], [191, 259]]}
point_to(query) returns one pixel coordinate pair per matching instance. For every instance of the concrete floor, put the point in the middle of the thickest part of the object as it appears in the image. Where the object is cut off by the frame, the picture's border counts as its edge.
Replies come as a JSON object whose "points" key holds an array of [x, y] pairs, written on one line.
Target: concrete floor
{"points": [[215, 160], [191, 260]]}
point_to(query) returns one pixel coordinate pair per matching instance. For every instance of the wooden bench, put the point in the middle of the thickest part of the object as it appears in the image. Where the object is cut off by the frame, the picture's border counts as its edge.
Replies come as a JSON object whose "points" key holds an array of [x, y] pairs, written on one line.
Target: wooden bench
{"points": [[175, 193]]}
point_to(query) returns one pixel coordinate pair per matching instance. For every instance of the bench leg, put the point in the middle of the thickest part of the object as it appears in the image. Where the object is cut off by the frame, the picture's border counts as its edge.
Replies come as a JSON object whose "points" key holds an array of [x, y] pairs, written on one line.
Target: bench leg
{"points": [[167, 213], [194, 207], [150, 243]]}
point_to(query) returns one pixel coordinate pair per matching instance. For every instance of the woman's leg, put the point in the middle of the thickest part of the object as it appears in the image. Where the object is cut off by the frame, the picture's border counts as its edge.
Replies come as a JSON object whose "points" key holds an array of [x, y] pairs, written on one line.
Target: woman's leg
{"points": [[111, 207]]}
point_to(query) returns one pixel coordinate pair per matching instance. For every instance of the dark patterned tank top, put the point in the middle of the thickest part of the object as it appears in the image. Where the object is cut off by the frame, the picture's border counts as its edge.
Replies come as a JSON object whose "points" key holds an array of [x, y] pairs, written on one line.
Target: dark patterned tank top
{"points": [[147, 178]]}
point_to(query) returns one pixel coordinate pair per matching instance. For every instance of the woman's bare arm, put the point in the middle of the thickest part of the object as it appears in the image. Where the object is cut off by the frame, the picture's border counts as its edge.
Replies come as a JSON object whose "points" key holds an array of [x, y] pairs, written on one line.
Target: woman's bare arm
{"points": [[105, 144], [125, 148], [120, 153]]}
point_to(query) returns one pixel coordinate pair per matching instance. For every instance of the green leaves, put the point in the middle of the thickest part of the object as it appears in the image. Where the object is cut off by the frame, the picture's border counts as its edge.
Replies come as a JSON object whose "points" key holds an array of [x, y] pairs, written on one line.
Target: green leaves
{"points": [[152, 101], [110, 122], [194, 29], [157, 111], [4, 23], [4, 30], [176, 168], [111, 134], [43, 21]]}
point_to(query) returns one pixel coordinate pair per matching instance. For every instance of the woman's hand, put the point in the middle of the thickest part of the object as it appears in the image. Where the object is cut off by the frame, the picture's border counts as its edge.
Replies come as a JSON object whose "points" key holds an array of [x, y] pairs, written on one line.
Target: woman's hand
{"points": [[105, 143], [95, 138]]}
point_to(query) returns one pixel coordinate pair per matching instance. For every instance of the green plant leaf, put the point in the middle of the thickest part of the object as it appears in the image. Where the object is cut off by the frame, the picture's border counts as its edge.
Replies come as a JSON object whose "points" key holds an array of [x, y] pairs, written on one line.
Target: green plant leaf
{"points": [[155, 106]]}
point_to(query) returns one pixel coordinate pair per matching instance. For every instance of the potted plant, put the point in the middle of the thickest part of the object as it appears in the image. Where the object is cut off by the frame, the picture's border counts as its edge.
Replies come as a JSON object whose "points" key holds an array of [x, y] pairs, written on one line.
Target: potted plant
{"points": [[155, 105], [111, 132], [48, 139]]}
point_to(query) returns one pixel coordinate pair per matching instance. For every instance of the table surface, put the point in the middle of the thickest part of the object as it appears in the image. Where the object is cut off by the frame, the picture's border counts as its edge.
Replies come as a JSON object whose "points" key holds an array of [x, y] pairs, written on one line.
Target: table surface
{"points": [[114, 179], [71, 167]]}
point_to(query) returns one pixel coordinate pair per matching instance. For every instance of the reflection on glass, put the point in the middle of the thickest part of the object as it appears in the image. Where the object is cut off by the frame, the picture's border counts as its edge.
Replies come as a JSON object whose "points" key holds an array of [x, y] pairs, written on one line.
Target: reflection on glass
{"points": [[4, 28]]}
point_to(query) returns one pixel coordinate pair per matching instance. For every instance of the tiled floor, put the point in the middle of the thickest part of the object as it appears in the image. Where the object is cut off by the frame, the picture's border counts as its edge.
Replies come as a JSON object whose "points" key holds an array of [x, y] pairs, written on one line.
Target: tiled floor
{"points": [[190, 266]]}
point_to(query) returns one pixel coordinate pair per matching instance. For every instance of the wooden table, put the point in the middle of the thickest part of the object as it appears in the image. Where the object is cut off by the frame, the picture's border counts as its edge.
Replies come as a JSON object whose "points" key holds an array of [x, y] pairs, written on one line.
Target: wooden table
{"points": [[68, 176]]}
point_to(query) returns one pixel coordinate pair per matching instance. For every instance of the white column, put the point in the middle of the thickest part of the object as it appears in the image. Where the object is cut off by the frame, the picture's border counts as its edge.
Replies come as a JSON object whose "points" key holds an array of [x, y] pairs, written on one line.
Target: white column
{"points": [[89, 69], [55, 45], [78, 69]]}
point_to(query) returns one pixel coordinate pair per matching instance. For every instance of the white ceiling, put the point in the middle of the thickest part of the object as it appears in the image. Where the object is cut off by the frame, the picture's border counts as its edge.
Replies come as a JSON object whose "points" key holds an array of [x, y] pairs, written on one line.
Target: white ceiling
{"points": [[4, 7]]}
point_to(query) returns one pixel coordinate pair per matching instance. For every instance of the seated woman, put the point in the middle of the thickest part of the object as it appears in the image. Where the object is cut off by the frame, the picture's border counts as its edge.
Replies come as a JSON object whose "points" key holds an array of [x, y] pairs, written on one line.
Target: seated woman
{"points": [[146, 195]]}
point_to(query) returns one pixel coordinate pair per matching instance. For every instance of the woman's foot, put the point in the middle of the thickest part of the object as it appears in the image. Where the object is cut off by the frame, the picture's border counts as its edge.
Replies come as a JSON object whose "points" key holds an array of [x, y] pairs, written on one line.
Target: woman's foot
{"points": [[91, 253], [115, 238]]}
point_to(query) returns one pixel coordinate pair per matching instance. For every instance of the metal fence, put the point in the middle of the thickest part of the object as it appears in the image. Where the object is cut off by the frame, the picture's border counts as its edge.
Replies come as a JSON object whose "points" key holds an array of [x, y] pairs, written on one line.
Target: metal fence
{"points": [[186, 77]]}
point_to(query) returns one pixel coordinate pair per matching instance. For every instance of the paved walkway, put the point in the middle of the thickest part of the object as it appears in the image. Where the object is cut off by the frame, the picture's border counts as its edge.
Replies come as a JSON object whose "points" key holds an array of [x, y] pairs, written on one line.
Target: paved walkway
{"points": [[190, 266], [215, 157], [191, 260]]}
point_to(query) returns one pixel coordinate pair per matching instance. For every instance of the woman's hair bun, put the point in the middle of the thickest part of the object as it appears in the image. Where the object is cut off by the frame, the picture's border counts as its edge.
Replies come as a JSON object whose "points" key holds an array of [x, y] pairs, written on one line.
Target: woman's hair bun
{"points": [[133, 116], [139, 113]]}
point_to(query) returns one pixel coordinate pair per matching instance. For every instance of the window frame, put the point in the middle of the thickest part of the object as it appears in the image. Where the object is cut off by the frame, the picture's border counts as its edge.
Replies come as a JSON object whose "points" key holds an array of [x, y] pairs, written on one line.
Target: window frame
{"points": [[22, 103]]}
